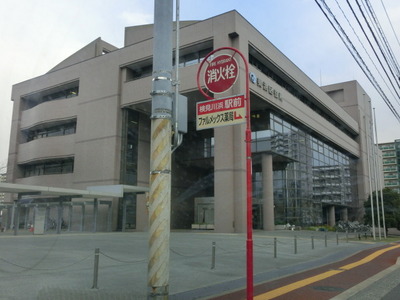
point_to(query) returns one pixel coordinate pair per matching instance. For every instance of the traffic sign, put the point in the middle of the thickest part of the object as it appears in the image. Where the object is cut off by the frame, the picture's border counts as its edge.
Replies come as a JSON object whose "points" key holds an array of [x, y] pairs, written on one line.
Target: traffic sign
{"points": [[221, 73], [220, 112]]}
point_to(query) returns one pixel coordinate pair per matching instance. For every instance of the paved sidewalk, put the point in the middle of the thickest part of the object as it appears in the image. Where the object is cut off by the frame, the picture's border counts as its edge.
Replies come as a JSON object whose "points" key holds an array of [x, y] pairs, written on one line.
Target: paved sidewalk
{"points": [[61, 266], [385, 285]]}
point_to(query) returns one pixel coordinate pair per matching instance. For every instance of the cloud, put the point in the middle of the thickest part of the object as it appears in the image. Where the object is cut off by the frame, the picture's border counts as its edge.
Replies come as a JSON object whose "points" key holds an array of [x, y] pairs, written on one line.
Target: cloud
{"points": [[37, 35]]}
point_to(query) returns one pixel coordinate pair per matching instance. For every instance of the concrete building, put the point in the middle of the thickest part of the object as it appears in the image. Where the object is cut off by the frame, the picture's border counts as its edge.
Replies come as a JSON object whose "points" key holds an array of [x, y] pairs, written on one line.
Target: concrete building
{"points": [[86, 123], [2, 179], [390, 164]]}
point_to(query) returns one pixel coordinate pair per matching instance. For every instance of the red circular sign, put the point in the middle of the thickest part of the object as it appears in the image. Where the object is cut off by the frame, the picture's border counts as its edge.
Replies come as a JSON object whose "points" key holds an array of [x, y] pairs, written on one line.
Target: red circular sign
{"points": [[221, 73]]}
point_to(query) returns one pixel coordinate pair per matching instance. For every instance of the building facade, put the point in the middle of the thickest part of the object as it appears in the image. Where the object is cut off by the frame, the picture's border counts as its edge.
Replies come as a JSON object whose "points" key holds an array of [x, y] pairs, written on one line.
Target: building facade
{"points": [[3, 177], [86, 123], [390, 164]]}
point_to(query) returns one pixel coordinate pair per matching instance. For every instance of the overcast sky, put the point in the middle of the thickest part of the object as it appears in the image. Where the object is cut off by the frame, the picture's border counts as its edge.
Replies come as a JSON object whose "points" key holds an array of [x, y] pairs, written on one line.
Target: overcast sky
{"points": [[38, 34]]}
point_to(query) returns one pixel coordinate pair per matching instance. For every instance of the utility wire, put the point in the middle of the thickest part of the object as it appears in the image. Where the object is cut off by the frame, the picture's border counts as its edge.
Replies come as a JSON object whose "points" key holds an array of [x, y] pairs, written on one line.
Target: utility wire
{"points": [[391, 25], [387, 44], [371, 45], [379, 46], [366, 51], [353, 51], [381, 35]]}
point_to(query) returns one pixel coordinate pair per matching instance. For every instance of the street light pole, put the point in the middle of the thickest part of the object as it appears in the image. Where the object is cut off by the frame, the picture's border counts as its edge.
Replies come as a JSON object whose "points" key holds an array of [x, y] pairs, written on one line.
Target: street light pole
{"points": [[369, 178], [375, 167], [160, 159], [379, 172]]}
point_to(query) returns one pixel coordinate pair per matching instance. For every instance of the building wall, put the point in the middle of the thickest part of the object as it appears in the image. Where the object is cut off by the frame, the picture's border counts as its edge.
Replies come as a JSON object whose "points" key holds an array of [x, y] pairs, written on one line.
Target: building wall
{"points": [[354, 100], [2, 179], [109, 83]]}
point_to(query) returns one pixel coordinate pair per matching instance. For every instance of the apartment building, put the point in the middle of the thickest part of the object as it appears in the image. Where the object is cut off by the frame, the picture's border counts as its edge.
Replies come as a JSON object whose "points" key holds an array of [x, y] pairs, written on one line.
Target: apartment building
{"points": [[390, 164]]}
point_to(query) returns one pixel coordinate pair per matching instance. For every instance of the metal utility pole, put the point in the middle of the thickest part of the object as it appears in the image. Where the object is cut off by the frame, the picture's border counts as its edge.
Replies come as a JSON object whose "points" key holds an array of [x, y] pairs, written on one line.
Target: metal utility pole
{"points": [[160, 160], [379, 172], [370, 179], [375, 166]]}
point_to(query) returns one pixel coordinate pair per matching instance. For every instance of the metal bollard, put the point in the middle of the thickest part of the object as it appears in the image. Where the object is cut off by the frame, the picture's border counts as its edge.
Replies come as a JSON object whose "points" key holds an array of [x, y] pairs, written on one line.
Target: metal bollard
{"points": [[213, 256], [275, 247], [312, 242], [96, 268], [295, 244]]}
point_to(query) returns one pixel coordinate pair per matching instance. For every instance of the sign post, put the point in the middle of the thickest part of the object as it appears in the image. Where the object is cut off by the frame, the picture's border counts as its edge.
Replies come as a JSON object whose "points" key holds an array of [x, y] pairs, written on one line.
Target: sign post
{"points": [[221, 73]]}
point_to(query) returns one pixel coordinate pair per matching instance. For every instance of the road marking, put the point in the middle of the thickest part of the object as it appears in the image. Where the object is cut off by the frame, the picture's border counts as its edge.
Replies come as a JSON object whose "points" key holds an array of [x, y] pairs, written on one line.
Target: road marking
{"points": [[368, 258], [296, 285], [304, 282]]}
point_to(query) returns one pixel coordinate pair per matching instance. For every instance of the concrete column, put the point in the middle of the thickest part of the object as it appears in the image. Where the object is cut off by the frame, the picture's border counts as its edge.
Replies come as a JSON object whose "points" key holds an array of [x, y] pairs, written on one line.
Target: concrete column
{"points": [[8, 223], [59, 216], [95, 213], [40, 218], [344, 216], [331, 216], [26, 217], [16, 219], [109, 218], [142, 213], [230, 179], [224, 220], [70, 212], [47, 218], [83, 216], [268, 192], [124, 204], [12, 223]]}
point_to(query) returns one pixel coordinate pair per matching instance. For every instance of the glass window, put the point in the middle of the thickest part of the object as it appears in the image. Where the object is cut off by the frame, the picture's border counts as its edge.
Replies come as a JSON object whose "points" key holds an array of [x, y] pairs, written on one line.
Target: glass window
{"points": [[278, 127], [49, 131], [139, 71], [320, 175], [48, 167], [53, 168], [191, 59], [204, 53], [64, 91]]}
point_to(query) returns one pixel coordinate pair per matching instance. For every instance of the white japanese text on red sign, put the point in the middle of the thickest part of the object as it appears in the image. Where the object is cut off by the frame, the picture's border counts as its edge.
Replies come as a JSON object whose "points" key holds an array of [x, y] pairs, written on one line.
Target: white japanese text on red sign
{"points": [[223, 72]]}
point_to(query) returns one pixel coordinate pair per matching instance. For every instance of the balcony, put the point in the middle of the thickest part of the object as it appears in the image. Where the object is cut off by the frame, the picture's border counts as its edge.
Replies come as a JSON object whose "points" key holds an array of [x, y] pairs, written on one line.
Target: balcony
{"points": [[57, 146], [390, 169], [387, 147], [391, 184], [394, 176], [138, 90], [56, 180], [389, 154], [49, 111]]}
